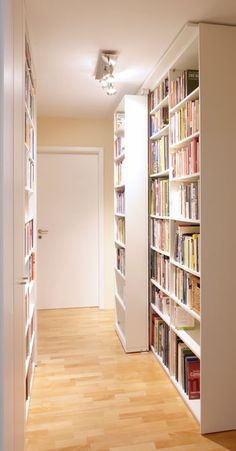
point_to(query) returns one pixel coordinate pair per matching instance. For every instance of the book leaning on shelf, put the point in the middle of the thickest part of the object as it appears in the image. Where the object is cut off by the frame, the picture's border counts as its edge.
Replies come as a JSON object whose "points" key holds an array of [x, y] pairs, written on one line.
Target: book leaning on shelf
{"points": [[187, 246]]}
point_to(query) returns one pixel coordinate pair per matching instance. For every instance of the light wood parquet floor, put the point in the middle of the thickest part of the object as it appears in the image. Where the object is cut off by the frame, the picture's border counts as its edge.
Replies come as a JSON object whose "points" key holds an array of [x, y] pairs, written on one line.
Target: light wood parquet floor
{"points": [[89, 395]]}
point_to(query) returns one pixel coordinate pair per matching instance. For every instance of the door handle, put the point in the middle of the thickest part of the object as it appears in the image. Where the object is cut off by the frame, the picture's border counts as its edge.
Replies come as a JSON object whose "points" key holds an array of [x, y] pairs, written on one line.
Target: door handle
{"points": [[42, 231]]}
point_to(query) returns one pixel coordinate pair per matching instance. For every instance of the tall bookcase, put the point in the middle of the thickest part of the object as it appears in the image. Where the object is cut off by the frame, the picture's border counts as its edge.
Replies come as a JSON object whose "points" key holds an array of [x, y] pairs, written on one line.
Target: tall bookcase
{"points": [[30, 235], [192, 220], [131, 222]]}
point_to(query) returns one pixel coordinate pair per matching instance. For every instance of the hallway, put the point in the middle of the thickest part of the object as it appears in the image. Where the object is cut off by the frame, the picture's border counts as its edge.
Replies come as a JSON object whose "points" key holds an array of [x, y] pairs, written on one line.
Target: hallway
{"points": [[89, 395]]}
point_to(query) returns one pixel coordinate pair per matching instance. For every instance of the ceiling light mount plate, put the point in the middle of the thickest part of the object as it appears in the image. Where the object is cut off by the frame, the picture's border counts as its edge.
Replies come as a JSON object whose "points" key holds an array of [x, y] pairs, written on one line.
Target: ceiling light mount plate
{"points": [[105, 58]]}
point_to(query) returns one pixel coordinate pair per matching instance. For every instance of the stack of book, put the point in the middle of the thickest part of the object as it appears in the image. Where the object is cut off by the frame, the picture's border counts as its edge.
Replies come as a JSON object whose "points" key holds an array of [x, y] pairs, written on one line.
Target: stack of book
{"points": [[186, 369], [159, 120], [159, 234], [187, 288], [119, 146], [159, 155], [187, 246], [185, 122], [159, 93], [160, 266], [183, 85], [120, 202], [159, 197], [184, 161], [120, 230], [160, 338], [120, 260]]}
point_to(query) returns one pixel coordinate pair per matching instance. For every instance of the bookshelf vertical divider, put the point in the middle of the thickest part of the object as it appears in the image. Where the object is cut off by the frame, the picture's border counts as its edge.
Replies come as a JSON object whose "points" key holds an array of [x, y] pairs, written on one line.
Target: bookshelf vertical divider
{"points": [[192, 220], [131, 222]]}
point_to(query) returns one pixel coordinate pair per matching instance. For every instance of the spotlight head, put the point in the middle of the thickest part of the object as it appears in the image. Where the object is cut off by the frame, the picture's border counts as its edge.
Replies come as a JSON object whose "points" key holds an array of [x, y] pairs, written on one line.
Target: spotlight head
{"points": [[111, 90]]}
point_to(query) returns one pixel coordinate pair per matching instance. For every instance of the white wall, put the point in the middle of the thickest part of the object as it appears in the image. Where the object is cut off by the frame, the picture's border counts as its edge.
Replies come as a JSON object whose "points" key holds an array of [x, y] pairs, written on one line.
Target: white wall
{"points": [[89, 133]]}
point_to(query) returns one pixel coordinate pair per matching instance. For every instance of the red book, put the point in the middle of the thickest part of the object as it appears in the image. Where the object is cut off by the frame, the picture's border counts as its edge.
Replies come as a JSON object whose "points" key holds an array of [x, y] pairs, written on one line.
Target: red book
{"points": [[194, 379]]}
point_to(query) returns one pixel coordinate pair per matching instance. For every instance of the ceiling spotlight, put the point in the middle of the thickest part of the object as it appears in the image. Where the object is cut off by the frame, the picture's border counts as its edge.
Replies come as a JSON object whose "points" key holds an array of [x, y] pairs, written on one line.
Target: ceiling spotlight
{"points": [[111, 90], [104, 70]]}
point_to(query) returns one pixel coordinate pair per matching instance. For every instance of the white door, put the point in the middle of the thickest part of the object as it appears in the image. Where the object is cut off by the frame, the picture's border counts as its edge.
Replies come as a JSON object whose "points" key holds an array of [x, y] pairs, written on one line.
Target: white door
{"points": [[68, 208]]}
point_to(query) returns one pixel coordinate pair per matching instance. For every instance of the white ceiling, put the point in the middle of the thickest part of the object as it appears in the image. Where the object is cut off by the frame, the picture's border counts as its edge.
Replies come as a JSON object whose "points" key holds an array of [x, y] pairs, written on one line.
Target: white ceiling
{"points": [[66, 36]]}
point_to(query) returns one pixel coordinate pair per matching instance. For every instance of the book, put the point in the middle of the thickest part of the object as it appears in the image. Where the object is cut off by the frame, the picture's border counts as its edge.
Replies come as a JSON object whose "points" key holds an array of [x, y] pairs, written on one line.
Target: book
{"points": [[193, 371], [183, 85], [185, 160], [159, 93], [159, 155], [159, 234], [181, 319], [159, 120], [160, 266], [159, 197], [185, 122]]}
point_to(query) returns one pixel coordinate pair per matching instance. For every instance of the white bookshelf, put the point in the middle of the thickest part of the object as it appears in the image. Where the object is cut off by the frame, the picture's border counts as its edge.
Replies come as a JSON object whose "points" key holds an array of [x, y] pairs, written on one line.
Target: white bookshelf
{"points": [[30, 307], [205, 47], [131, 282]]}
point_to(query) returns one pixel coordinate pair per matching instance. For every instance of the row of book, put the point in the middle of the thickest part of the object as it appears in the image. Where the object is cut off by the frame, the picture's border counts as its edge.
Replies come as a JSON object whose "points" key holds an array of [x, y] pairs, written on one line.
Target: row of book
{"points": [[159, 155], [119, 146], [159, 197], [187, 288], [184, 122], [120, 172], [29, 237], [183, 85], [120, 260], [160, 269], [161, 338], [160, 299], [159, 120], [159, 93], [29, 172], [187, 246], [29, 137], [185, 161], [120, 230], [120, 202], [185, 201], [159, 234], [186, 368]]}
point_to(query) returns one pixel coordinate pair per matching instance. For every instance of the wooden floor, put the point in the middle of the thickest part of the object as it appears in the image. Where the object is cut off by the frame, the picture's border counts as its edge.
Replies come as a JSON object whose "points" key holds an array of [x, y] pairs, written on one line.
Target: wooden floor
{"points": [[89, 395]]}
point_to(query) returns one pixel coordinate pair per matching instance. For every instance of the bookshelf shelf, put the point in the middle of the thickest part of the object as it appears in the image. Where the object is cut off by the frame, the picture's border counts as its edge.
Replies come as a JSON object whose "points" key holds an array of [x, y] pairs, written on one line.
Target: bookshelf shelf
{"points": [[160, 133], [193, 405], [160, 174], [159, 217], [165, 318], [158, 358], [185, 268], [185, 178], [164, 290], [192, 96], [160, 251], [186, 308], [131, 227], [160, 105], [184, 141], [190, 337], [120, 244], [181, 219], [121, 302]]}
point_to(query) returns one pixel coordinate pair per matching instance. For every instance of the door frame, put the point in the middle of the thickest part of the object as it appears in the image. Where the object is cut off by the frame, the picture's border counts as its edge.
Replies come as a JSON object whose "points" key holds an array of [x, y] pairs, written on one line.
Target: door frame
{"points": [[74, 150]]}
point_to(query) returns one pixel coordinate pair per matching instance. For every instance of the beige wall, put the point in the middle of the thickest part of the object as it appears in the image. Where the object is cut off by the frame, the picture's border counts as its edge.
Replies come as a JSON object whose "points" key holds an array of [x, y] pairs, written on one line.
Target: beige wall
{"points": [[89, 133]]}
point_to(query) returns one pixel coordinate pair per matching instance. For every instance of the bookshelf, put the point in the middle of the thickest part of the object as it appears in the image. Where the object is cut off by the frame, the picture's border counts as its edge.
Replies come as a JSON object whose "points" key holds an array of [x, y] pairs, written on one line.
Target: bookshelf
{"points": [[192, 220], [30, 235], [131, 222]]}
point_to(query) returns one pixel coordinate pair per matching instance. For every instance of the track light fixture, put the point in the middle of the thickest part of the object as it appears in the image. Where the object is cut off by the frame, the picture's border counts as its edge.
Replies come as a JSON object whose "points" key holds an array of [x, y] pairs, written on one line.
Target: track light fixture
{"points": [[104, 71]]}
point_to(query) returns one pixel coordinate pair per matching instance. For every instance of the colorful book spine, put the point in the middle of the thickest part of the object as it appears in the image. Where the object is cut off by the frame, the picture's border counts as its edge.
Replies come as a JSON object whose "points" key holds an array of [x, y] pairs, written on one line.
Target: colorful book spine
{"points": [[187, 250], [187, 288], [119, 146], [185, 122], [187, 370], [120, 202], [159, 93], [159, 120], [120, 230], [159, 155], [120, 173], [160, 267], [29, 237], [185, 161], [120, 260], [159, 234], [161, 341], [159, 197], [183, 85], [160, 299]]}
